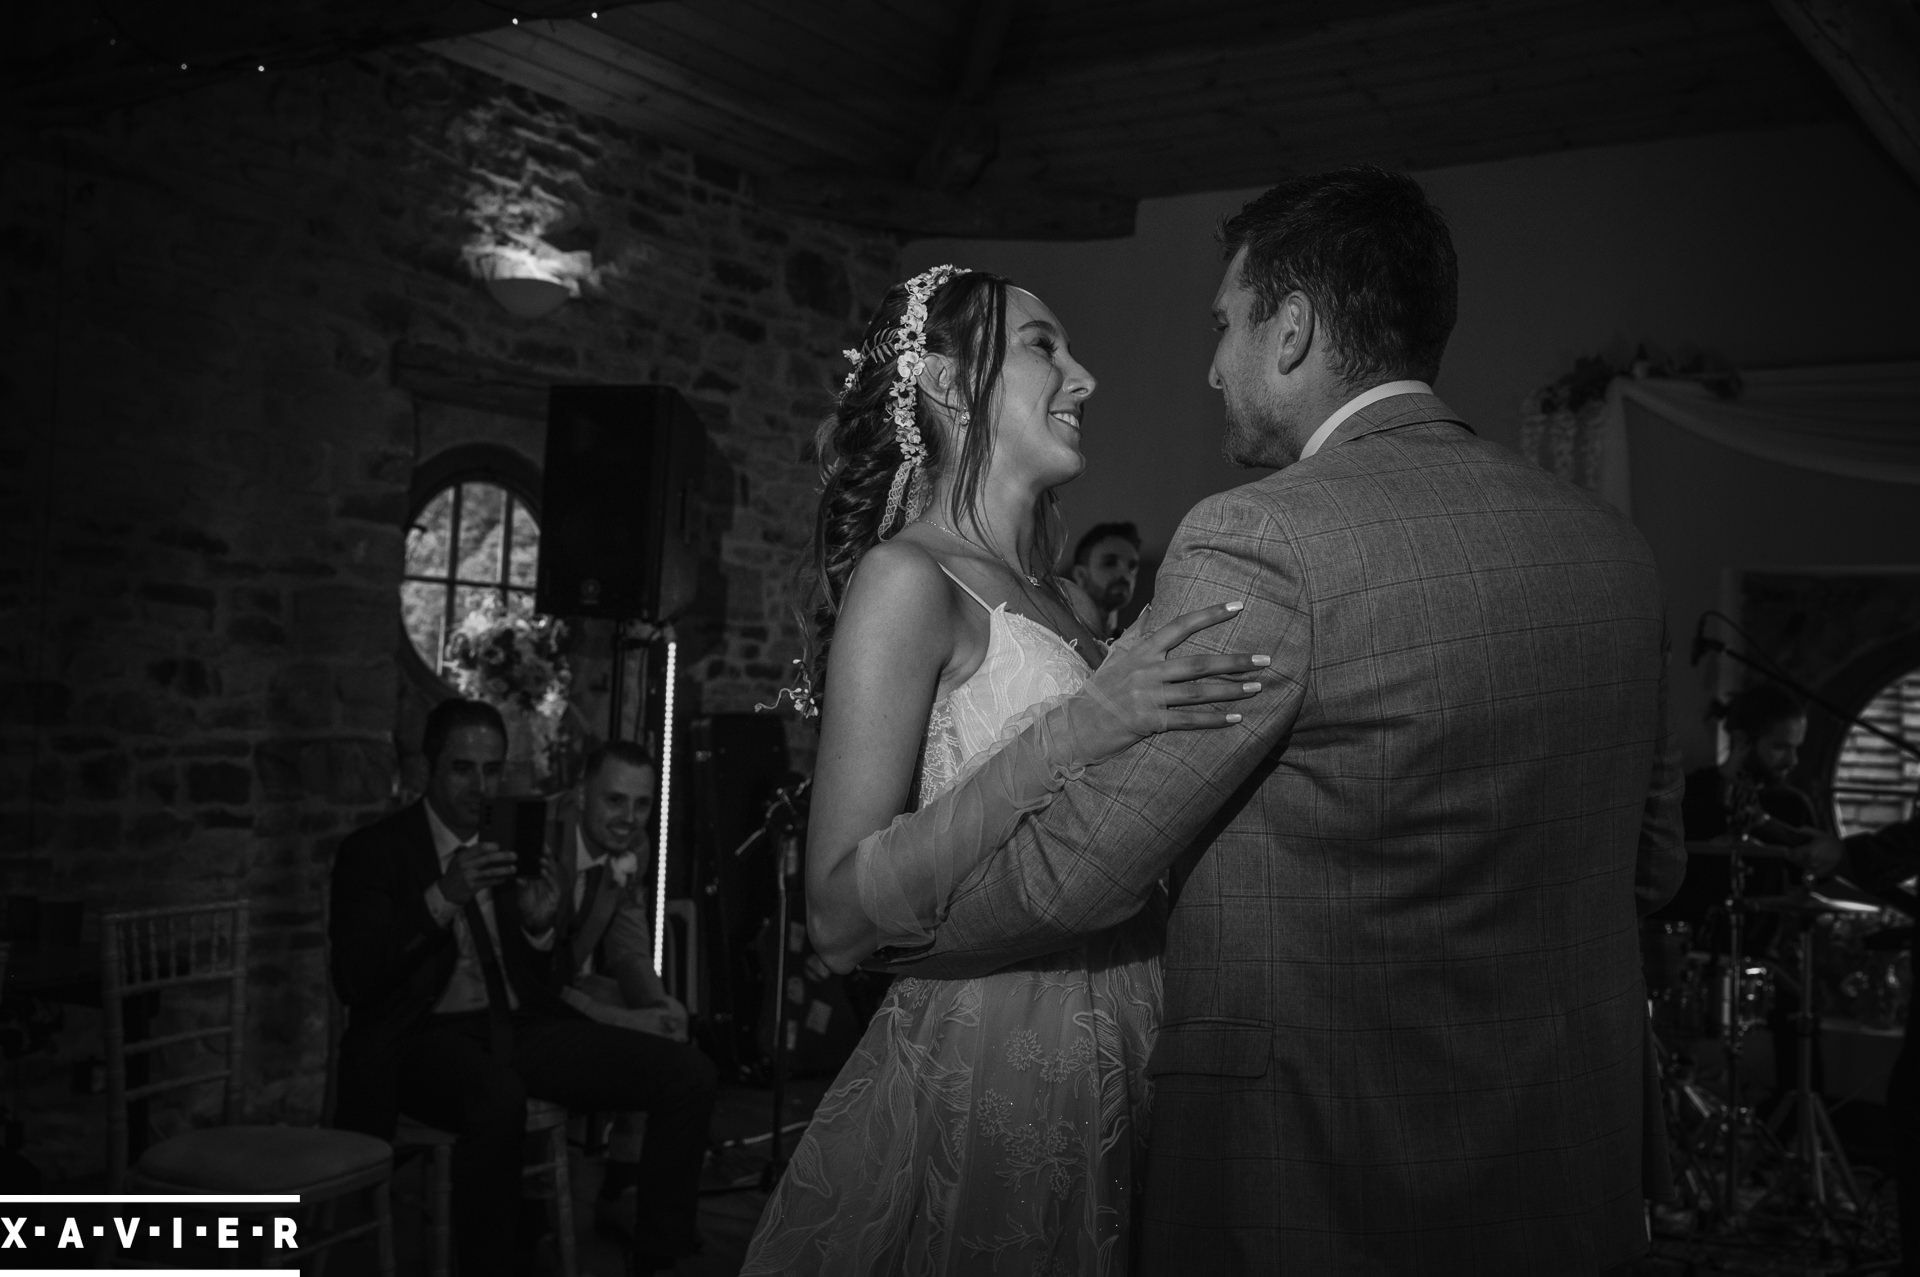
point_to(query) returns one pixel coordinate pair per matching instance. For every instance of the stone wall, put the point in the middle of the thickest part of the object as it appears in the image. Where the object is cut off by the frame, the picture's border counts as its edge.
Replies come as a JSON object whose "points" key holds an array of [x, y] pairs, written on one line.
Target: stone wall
{"points": [[207, 449]]}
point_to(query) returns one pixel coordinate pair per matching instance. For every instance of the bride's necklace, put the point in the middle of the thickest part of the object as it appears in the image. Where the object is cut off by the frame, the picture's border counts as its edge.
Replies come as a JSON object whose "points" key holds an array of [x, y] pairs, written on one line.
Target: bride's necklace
{"points": [[1024, 575]]}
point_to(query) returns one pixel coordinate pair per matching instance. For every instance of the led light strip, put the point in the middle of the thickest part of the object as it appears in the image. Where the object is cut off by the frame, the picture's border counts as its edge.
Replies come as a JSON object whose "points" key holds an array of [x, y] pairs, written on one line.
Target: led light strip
{"points": [[666, 800]]}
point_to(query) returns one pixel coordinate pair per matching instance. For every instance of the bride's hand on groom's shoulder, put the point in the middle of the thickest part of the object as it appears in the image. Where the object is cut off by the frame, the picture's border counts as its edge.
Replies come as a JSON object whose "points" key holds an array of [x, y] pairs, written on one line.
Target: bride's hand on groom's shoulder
{"points": [[1139, 689]]}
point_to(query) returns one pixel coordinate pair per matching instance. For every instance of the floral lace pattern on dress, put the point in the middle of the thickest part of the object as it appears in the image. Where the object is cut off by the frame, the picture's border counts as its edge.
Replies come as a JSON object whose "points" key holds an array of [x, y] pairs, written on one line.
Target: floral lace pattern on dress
{"points": [[989, 1125]]}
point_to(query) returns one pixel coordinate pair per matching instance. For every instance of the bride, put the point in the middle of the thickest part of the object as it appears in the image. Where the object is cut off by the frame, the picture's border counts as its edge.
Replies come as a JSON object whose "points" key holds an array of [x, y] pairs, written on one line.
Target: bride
{"points": [[986, 1125]]}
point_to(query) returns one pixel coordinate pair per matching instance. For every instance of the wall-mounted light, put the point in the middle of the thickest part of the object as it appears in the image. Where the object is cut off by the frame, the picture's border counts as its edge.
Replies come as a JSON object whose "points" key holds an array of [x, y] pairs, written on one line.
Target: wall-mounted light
{"points": [[529, 284]]}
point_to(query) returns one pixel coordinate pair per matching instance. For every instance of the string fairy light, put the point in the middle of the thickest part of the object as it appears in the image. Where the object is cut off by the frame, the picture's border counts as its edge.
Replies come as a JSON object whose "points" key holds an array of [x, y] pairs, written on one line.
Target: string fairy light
{"points": [[118, 38]]}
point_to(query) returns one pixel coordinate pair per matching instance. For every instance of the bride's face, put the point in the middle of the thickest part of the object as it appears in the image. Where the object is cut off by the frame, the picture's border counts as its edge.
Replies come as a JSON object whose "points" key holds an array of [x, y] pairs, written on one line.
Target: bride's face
{"points": [[1037, 405]]}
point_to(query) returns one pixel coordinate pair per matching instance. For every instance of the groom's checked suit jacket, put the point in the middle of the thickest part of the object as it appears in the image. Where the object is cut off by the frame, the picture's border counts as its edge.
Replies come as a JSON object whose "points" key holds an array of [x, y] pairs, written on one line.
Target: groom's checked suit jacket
{"points": [[1405, 1026]]}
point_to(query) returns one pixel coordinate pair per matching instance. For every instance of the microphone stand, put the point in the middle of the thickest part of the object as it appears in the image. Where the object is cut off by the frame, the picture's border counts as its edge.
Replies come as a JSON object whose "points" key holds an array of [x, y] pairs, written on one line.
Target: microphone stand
{"points": [[786, 866], [1703, 645]]}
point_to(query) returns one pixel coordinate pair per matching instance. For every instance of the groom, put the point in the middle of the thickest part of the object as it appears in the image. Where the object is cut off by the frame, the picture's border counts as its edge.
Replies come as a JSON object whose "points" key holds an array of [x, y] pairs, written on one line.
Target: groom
{"points": [[1405, 1027]]}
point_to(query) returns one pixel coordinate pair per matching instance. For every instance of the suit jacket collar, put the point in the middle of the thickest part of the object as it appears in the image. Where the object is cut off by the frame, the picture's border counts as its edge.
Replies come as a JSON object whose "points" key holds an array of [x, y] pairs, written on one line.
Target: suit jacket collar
{"points": [[579, 928], [423, 858], [1392, 414], [567, 858]]}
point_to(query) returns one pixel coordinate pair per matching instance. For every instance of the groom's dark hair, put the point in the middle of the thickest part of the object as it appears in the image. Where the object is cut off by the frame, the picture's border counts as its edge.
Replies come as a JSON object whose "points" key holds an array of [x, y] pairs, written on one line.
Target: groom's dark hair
{"points": [[1372, 254]]}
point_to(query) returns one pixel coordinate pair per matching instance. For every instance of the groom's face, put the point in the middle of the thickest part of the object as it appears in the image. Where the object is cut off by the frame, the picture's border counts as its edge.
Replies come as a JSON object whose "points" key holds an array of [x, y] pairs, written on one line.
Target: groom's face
{"points": [[1246, 373]]}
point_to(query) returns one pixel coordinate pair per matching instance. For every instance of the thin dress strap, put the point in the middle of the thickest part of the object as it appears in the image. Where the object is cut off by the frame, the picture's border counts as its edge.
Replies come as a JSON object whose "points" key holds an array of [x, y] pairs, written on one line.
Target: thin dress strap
{"points": [[963, 585]]}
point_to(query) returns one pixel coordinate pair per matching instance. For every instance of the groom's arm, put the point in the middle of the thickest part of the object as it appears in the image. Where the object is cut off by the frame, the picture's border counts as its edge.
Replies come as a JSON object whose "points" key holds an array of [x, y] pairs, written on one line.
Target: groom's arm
{"points": [[1092, 857]]}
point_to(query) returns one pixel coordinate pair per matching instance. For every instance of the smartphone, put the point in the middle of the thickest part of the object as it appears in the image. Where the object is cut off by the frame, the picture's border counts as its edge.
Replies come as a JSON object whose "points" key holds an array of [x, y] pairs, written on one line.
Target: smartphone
{"points": [[519, 825]]}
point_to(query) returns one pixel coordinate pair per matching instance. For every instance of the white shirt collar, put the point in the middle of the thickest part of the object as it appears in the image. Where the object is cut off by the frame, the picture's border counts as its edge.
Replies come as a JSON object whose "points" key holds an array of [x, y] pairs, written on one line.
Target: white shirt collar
{"points": [[445, 841], [1385, 390], [584, 857]]}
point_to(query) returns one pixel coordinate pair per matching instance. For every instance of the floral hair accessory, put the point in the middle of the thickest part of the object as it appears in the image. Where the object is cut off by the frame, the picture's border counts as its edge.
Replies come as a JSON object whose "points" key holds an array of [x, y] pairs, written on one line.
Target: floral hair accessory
{"points": [[905, 346], [805, 703]]}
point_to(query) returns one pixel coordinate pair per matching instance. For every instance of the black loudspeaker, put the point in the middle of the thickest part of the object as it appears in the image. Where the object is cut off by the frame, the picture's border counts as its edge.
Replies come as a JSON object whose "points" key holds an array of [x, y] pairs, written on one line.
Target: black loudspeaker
{"points": [[616, 505]]}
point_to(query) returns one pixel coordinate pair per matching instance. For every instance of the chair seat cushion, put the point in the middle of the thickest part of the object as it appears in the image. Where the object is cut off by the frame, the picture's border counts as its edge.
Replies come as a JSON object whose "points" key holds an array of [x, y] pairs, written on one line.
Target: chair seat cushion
{"points": [[260, 1159]]}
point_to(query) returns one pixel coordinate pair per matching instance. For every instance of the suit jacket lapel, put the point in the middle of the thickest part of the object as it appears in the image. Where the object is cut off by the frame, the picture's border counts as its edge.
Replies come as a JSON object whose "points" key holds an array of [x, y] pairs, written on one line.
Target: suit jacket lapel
{"points": [[593, 923], [566, 857], [423, 859]]}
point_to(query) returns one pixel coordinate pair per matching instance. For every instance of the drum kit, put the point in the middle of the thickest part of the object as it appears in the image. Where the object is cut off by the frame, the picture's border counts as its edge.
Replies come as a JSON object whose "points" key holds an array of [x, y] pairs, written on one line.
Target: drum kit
{"points": [[1735, 1171]]}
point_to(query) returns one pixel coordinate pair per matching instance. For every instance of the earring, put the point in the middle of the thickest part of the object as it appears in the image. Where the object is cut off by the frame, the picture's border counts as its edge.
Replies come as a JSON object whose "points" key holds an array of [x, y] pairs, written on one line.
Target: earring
{"points": [[962, 419]]}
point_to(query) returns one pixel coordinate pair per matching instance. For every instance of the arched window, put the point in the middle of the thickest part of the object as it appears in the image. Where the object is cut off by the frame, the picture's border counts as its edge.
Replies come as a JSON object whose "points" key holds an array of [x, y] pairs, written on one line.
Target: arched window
{"points": [[1874, 783], [473, 535]]}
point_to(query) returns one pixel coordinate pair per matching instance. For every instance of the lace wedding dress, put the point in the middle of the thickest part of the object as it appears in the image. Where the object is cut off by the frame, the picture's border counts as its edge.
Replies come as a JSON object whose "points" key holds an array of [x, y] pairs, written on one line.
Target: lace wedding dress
{"points": [[990, 1125]]}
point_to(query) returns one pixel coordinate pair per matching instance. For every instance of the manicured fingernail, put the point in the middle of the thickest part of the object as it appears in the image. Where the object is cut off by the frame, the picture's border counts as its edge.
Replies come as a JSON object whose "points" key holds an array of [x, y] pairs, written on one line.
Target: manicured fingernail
{"points": [[1235, 607], [1263, 660], [1233, 718], [1249, 687]]}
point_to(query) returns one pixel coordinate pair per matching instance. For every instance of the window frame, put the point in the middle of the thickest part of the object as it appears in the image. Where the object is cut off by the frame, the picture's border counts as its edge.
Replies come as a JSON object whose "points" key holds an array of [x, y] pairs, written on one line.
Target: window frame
{"points": [[491, 463]]}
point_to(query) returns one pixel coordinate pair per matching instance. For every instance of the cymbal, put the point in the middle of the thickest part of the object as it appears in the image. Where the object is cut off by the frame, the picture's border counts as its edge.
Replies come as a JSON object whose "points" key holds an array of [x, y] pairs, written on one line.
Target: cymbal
{"points": [[1808, 904]]}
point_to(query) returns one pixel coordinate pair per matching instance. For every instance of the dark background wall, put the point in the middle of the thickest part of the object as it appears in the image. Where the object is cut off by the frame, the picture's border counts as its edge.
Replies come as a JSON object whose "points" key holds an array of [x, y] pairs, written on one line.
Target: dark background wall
{"points": [[237, 320], [1769, 248]]}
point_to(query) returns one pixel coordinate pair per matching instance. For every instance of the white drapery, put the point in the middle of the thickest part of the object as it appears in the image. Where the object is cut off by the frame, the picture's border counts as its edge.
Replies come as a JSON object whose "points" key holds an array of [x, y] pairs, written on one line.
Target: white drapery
{"points": [[1860, 421]]}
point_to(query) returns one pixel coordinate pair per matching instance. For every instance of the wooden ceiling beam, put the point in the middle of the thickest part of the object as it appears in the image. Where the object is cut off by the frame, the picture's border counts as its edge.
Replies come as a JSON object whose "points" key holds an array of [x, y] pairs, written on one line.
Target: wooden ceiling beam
{"points": [[967, 138], [1871, 50]]}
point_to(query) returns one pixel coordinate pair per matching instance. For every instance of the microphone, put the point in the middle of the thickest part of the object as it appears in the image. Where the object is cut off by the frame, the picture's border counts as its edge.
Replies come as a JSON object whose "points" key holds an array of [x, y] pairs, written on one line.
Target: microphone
{"points": [[785, 797]]}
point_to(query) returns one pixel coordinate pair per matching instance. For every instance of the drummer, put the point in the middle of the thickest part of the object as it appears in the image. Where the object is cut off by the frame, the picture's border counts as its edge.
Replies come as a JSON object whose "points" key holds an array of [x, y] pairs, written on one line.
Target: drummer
{"points": [[1750, 793]]}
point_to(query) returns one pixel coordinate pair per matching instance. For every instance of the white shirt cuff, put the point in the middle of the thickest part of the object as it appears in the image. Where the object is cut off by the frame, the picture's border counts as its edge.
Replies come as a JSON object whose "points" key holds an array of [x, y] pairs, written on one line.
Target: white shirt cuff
{"points": [[442, 909]]}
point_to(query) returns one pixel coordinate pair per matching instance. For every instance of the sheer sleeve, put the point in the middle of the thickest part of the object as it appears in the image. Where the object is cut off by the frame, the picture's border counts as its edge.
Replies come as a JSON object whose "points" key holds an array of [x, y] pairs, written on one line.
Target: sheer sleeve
{"points": [[906, 871]]}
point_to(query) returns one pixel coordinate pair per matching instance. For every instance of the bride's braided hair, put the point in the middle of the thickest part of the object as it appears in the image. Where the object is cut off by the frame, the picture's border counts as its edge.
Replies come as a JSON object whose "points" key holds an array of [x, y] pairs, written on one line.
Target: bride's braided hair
{"points": [[860, 452]]}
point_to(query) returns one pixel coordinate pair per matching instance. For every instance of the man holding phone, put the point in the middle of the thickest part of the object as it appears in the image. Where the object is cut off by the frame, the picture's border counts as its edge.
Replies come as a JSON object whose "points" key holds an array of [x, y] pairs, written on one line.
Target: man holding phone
{"points": [[453, 1018]]}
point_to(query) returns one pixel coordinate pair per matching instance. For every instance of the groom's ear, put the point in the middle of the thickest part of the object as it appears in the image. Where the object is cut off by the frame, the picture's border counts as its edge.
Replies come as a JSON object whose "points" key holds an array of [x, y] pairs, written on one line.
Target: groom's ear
{"points": [[1293, 330]]}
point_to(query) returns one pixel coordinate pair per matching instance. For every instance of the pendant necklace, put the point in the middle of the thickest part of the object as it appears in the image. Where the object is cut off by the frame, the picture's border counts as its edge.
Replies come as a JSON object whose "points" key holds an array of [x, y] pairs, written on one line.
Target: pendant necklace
{"points": [[1028, 577]]}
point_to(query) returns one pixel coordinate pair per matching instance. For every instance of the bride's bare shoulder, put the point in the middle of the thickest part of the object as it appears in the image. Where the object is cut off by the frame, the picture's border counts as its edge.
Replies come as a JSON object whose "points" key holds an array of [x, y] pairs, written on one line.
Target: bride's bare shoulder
{"points": [[897, 583]]}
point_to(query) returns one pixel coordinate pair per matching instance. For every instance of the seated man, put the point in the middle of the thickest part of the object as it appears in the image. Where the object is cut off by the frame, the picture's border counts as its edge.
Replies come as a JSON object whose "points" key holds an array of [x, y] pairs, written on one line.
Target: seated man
{"points": [[1750, 791], [1106, 563], [603, 947], [452, 1017]]}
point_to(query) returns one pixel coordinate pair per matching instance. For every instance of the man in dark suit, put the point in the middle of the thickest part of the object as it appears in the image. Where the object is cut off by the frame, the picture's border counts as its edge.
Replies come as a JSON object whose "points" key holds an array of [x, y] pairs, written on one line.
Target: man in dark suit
{"points": [[1405, 1026], [453, 1019]]}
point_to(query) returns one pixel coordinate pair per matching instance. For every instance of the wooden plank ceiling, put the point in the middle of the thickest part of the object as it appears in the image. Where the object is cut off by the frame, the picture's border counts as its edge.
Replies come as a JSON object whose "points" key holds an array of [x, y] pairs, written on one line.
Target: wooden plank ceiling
{"points": [[1046, 118], [1054, 117]]}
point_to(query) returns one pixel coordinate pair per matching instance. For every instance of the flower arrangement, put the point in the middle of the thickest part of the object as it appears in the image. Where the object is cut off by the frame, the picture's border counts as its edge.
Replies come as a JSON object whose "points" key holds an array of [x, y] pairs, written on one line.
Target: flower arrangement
{"points": [[513, 662], [509, 659]]}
